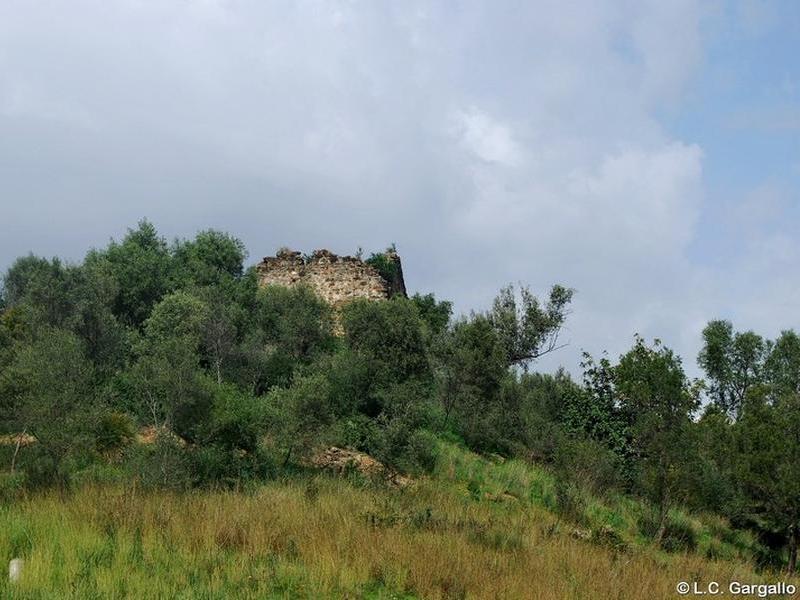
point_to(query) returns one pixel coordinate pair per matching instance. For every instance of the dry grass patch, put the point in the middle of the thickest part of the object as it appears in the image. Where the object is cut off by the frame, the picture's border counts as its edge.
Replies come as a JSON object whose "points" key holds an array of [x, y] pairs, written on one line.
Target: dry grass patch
{"points": [[322, 538]]}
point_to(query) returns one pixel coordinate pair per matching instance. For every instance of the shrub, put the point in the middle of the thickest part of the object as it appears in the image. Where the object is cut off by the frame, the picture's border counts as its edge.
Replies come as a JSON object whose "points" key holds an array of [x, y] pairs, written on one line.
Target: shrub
{"points": [[384, 265], [717, 551], [163, 464], [358, 432], [423, 450], [587, 462], [474, 489], [114, 430], [608, 537], [217, 465], [12, 486], [679, 533], [99, 473], [570, 502]]}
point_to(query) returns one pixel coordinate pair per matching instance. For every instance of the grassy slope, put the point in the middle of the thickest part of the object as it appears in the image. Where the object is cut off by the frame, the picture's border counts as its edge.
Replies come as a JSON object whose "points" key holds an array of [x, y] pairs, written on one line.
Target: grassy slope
{"points": [[475, 529]]}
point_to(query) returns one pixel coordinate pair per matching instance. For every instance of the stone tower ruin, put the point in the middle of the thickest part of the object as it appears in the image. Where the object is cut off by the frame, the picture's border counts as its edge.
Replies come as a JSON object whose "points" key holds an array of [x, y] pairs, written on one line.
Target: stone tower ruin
{"points": [[336, 279]]}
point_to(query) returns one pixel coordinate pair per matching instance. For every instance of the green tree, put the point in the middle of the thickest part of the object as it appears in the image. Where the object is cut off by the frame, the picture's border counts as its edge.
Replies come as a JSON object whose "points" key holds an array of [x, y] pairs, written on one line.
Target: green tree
{"points": [[228, 448], [388, 380], [225, 321], [49, 382], [435, 314], [768, 436], [528, 330], [783, 365], [167, 375], [596, 412], [658, 401], [302, 414], [471, 371], [390, 336], [713, 476], [108, 341], [733, 362], [77, 298], [143, 269], [45, 285], [295, 320], [211, 257]]}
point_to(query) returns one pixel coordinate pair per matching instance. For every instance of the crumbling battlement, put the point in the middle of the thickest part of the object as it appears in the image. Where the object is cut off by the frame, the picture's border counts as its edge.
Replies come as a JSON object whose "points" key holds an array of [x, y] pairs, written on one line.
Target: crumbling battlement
{"points": [[337, 279]]}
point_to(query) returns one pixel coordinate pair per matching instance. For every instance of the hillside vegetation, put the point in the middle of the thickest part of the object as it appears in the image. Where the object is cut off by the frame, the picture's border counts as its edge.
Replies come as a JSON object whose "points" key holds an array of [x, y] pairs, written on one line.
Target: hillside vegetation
{"points": [[474, 529], [161, 413]]}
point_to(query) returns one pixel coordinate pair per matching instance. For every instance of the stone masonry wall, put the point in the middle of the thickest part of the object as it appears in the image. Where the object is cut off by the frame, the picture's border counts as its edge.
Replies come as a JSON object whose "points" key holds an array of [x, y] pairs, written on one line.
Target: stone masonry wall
{"points": [[337, 279]]}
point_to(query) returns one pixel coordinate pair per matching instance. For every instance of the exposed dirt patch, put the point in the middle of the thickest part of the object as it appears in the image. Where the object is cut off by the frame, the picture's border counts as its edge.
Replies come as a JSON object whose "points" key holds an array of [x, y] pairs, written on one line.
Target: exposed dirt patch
{"points": [[149, 435], [340, 460], [12, 439]]}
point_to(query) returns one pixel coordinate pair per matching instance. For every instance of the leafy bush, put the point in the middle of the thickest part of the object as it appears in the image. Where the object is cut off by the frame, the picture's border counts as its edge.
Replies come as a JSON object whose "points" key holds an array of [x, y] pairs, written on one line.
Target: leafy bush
{"points": [[383, 264], [570, 501], [608, 537], [586, 462], [114, 430], [100, 473], [358, 432], [163, 464], [12, 486], [223, 466], [679, 533]]}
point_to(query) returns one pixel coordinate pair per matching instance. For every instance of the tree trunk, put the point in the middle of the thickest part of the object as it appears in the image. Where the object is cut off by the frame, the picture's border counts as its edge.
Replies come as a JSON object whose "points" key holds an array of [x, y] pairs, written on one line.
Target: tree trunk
{"points": [[662, 517], [16, 449], [288, 455], [794, 534]]}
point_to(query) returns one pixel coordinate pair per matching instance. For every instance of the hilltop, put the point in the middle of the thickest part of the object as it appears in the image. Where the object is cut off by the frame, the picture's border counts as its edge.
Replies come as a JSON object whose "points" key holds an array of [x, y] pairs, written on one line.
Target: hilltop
{"points": [[166, 411]]}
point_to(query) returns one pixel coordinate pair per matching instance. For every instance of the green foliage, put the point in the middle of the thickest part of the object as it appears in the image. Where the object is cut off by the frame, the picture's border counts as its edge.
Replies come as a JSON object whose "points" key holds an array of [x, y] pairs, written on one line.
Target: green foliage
{"points": [[657, 400], [783, 365], [587, 463], [390, 336], [470, 371], [733, 362], [296, 321], [768, 438], [208, 259], [50, 383], [167, 378], [679, 534], [302, 414], [114, 431], [42, 284], [237, 421], [236, 384], [164, 464], [12, 486], [435, 314], [382, 262], [403, 440], [526, 329], [143, 269], [713, 483]]}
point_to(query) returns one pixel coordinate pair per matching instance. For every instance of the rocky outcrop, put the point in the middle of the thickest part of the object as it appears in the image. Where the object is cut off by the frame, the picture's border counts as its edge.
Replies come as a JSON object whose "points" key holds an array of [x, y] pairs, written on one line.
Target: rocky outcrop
{"points": [[340, 460]]}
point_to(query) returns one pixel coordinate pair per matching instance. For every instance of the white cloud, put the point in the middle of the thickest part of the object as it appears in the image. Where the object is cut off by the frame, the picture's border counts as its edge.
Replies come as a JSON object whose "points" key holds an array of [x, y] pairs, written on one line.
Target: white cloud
{"points": [[486, 138]]}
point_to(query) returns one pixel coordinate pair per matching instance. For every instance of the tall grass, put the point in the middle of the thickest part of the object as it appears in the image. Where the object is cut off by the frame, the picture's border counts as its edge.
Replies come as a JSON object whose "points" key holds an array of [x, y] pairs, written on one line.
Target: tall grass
{"points": [[321, 537]]}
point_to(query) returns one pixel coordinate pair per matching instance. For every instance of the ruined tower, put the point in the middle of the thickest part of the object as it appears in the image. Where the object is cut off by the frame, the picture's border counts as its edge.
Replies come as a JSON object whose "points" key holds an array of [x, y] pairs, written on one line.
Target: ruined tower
{"points": [[336, 279]]}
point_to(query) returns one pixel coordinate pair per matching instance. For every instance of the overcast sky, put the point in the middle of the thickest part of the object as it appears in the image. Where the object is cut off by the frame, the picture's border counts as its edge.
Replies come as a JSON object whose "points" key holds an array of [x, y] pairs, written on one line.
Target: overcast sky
{"points": [[645, 153]]}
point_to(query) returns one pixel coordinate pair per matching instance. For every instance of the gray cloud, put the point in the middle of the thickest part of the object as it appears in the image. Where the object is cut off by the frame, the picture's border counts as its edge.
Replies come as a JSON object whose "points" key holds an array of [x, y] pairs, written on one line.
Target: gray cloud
{"points": [[492, 142]]}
